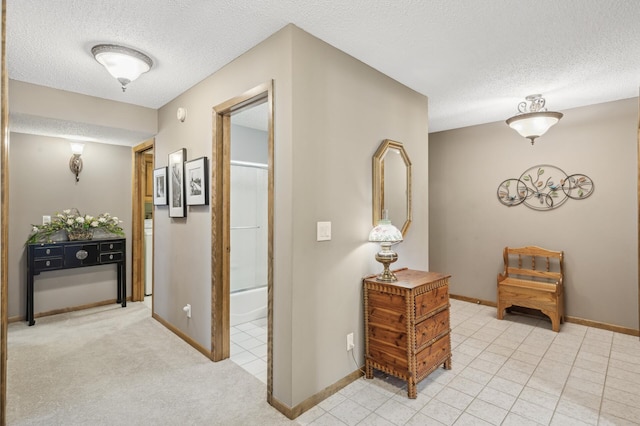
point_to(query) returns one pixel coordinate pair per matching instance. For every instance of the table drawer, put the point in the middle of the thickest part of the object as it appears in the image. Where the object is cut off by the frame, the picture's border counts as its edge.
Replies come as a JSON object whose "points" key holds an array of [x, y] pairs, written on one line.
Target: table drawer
{"points": [[431, 300], [45, 264], [112, 246], [431, 328], [432, 356], [47, 251], [110, 257], [80, 255]]}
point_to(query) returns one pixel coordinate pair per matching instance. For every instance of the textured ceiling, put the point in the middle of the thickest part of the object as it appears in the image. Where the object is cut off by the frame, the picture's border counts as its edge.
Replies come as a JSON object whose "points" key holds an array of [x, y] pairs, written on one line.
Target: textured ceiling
{"points": [[475, 60]]}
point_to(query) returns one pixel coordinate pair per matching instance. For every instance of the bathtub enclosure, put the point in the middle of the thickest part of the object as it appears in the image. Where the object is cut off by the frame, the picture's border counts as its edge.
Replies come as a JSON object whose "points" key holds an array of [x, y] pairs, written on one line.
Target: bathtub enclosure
{"points": [[248, 242], [249, 215]]}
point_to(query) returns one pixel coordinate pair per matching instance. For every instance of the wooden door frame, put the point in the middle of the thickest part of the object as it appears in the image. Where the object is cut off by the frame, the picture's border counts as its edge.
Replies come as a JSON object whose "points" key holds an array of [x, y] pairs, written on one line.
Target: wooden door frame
{"points": [[220, 223], [4, 219], [138, 179]]}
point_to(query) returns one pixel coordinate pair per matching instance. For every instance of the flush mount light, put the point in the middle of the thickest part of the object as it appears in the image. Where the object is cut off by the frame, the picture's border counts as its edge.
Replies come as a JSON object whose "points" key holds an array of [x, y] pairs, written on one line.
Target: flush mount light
{"points": [[533, 120], [123, 63]]}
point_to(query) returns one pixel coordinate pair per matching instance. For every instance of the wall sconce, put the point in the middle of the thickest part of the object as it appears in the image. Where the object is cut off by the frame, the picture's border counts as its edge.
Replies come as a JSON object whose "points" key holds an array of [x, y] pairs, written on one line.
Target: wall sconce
{"points": [[75, 162], [387, 235], [533, 120], [123, 63], [181, 114]]}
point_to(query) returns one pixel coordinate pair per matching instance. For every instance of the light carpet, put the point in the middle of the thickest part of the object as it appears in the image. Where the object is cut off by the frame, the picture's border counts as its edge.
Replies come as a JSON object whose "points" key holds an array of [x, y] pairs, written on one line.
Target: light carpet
{"points": [[117, 366]]}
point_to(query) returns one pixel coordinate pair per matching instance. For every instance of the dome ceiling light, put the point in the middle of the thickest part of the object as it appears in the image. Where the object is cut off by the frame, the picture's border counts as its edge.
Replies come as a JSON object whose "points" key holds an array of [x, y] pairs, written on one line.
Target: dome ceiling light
{"points": [[123, 63], [533, 120]]}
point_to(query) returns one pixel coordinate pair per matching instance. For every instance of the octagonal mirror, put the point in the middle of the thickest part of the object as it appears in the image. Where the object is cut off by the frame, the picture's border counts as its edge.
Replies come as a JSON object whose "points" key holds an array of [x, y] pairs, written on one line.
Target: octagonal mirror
{"points": [[392, 184]]}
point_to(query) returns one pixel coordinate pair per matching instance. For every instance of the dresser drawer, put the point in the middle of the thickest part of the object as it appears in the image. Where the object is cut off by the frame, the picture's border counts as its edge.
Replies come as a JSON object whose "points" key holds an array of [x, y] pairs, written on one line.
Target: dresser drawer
{"points": [[112, 246], [388, 310], [431, 300], [394, 338], [391, 356], [110, 257], [432, 356], [45, 264], [47, 251], [431, 328]]}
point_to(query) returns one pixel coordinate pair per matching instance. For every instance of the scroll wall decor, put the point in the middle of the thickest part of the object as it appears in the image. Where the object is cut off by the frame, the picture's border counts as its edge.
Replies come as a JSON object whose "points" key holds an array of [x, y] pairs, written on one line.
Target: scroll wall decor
{"points": [[544, 187]]}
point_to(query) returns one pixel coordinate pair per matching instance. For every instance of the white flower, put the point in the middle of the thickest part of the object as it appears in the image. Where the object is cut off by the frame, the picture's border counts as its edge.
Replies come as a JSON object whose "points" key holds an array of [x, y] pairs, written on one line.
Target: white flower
{"points": [[102, 220], [88, 218], [60, 215], [67, 211], [115, 219], [80, 219], [94, 224], [69, 221], [35, 229]]}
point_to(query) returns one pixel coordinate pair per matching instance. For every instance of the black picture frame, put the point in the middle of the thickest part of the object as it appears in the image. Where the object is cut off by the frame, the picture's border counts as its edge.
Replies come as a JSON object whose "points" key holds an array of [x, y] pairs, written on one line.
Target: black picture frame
{"points": [[177, 205], [196, 178], [160, 187]]}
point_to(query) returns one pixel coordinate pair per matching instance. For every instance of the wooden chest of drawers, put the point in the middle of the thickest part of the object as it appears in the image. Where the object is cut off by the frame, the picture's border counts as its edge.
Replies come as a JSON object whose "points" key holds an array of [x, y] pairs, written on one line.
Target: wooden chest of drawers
{"points": [[407, 331]]}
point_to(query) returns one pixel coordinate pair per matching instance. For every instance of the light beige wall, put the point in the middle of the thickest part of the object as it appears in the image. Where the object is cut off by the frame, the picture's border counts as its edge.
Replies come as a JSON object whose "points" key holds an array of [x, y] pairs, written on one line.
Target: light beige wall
{"points": [[469, 227], [42, 184], [41, 101], [182, 256], [331, 113], [343, 110]]}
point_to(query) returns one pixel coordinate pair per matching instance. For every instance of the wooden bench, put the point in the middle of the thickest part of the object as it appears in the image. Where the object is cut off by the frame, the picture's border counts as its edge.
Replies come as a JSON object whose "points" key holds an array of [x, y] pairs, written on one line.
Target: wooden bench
{"points": [[529, 287]]}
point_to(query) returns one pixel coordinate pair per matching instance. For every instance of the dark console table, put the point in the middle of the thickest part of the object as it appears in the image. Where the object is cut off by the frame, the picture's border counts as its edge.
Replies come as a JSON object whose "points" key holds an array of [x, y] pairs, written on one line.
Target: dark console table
{"points": [[42, 257]]}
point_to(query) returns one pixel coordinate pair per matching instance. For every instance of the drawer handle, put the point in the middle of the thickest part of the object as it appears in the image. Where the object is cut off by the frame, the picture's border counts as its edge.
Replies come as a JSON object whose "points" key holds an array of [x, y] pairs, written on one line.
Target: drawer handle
{"points": [[111, 257], [48, 251], [110, 246], [81, 254], [48, 263]]}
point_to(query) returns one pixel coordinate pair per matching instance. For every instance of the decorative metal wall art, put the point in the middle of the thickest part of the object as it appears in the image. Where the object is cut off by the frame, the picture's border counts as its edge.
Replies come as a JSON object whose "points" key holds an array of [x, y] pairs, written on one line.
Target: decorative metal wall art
{"points": [[544, 187]]}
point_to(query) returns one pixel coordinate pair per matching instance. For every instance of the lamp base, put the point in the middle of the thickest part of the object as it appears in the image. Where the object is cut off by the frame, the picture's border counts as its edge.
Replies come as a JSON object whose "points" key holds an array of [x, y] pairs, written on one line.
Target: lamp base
{"points": [[387, 256]]}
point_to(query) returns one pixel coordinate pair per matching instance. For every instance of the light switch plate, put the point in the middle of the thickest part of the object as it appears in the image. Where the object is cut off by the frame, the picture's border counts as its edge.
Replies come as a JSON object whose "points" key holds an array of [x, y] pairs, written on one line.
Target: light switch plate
{"points": [[46, 220], [324, 231]]}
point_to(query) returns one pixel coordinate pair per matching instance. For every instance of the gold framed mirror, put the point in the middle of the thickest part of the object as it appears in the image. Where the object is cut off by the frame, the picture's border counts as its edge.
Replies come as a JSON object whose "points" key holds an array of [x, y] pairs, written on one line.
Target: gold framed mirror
{"points": [[392, 184]]}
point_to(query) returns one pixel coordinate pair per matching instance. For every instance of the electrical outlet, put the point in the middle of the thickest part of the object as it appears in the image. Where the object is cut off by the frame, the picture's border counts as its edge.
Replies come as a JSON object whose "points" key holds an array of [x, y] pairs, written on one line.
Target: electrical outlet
{"points": [[46, 220], [350, 344]]}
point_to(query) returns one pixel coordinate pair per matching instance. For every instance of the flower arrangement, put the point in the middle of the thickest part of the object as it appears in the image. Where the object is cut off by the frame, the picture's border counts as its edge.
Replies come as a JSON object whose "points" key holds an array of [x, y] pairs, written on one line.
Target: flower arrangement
{"points": [[76, 226]]}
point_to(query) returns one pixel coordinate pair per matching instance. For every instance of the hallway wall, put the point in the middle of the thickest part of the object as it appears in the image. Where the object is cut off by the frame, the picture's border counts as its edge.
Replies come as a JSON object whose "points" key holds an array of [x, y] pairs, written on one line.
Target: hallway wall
{"points": [[331, 113]]}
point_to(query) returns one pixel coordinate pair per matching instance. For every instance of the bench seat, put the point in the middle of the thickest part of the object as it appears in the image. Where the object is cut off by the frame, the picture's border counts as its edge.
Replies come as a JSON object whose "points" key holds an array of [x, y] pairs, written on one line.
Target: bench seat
{"points": [[540, 289]]}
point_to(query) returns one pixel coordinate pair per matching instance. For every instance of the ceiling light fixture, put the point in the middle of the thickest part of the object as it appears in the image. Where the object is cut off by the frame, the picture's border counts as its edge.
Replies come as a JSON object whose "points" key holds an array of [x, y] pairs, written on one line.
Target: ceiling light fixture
{"points": [[123, 63], [533, 120]]}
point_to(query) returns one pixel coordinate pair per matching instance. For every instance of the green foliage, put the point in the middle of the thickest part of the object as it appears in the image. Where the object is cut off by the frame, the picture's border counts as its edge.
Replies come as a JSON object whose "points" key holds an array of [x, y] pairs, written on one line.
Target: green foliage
{"points": [[71, 221]]}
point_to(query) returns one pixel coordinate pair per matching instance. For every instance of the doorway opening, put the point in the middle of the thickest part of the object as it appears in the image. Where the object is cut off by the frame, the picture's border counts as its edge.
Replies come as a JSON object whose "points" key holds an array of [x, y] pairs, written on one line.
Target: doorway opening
{"points": [[142, 224], [242, 229], [249, 173]]}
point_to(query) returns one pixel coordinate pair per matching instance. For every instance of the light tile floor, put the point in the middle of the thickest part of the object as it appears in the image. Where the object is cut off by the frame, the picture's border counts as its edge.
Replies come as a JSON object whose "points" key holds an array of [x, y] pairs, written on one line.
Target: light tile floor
{"points": [[249, 347], [510, 372]]}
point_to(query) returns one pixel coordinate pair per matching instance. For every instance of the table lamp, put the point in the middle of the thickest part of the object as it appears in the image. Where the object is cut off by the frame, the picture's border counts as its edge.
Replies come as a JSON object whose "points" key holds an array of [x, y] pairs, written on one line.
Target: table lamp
{"points": [[387, 235]]}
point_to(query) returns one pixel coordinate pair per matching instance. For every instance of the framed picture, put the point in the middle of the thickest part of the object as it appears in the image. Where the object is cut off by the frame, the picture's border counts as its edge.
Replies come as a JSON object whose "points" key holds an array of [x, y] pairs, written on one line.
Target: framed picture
{"points": [[197, 182], [160, 186], [177, 205]]}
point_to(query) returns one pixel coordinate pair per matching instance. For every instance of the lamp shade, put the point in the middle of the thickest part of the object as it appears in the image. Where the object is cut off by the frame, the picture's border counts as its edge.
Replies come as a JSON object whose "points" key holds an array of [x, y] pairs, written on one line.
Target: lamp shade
{"points": [[77, 148], [384, 231], [534, 124], [123, 63]]}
